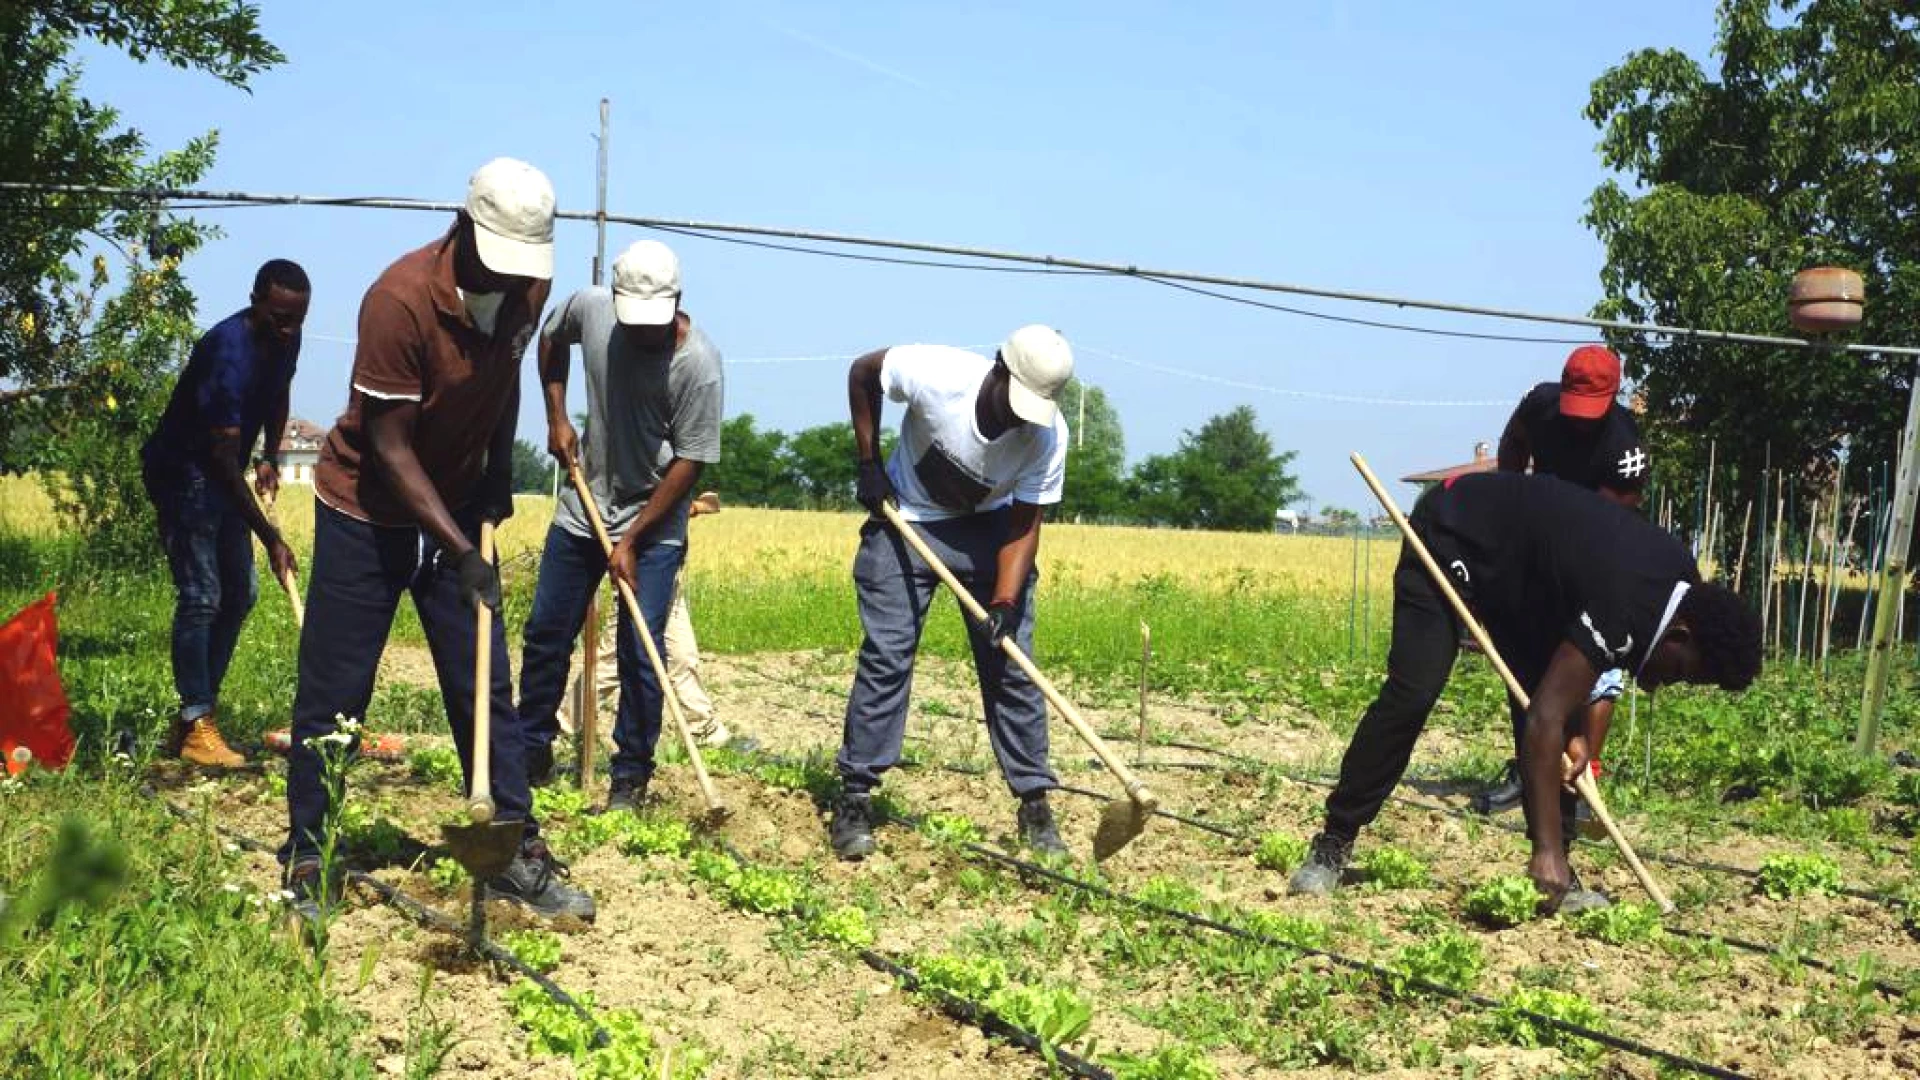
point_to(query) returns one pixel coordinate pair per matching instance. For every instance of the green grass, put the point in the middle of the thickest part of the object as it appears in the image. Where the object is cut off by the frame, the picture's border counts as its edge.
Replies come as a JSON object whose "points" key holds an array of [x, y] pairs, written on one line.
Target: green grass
{"points": [[118, 956]]}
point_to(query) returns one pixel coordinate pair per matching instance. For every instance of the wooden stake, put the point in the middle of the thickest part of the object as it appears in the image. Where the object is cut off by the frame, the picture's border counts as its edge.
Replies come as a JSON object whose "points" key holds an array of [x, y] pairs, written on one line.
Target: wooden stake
{"points": [[1806, 582], [1740, 563], [586, 723], [1146, 657]]}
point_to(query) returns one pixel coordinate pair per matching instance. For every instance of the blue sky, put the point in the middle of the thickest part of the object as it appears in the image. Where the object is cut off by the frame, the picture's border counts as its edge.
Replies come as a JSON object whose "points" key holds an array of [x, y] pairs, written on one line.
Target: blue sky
{"points": [[1399, 147]]}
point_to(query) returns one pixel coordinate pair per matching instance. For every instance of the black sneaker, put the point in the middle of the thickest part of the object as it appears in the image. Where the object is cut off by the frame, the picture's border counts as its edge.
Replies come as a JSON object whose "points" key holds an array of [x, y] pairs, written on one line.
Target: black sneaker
{"points": [[626, 793], [852, 828], [540, 765], [1320, 874], [533, 880], [1037, 829], [1503, 795]]}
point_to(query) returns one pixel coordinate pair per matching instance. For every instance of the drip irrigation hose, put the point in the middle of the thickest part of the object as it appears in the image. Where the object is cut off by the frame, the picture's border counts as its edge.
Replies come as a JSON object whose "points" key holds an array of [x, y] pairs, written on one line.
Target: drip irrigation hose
{"points": [[415, 910], [973, 1012]]}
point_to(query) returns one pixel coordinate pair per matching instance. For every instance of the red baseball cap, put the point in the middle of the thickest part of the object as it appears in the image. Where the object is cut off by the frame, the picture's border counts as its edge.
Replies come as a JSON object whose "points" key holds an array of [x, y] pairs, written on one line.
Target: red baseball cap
{"points": [[1589, 382]]}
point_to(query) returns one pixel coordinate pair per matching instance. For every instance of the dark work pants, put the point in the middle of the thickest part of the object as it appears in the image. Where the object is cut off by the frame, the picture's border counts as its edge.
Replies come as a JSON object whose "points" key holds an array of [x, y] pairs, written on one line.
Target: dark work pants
{"points": [[210, 554], [358, 574], [1426, 641], [894, 588]]}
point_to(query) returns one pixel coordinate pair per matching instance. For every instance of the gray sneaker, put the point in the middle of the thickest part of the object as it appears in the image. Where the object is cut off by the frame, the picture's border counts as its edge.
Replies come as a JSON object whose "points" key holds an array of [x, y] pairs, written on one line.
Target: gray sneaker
{"points": [[1319, 875], [533, 880], [852, 828]]}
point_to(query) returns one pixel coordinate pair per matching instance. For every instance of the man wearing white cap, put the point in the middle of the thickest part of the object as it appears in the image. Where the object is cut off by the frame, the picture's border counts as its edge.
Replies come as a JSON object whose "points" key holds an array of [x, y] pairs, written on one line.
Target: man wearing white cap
{"points": [[423, 455], [653, 421], [982, 450]]}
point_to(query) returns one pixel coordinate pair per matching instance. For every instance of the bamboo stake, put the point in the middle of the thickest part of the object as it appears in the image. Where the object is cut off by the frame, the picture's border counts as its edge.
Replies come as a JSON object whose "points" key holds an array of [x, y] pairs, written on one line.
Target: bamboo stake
{"points": [[1740, 563], [1806, 580], [1836, 578]]}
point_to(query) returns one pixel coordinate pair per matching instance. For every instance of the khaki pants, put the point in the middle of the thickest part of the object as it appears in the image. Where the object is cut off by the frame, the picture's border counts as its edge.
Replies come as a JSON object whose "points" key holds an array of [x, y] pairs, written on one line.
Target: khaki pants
{"points": [[683, 670]]}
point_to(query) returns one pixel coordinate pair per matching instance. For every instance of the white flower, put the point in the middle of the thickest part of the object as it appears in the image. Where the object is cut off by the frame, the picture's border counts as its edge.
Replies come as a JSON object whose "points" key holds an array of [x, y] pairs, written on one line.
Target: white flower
{"points": [[231, 846], [230, 886]]}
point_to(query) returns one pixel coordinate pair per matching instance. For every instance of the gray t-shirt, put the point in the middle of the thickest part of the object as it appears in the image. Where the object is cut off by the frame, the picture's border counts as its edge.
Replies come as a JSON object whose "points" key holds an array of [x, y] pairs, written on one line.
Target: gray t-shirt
{"points": [[642, 412]]}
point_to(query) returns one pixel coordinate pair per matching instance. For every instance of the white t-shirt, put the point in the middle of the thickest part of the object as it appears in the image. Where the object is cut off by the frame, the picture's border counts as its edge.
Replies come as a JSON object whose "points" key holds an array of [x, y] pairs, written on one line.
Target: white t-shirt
{"points": [[942, 466]]}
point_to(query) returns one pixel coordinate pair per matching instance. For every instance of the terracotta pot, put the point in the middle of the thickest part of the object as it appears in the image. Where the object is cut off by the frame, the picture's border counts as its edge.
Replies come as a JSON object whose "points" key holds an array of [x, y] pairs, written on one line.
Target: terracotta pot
{"points": [[1825, 299]]}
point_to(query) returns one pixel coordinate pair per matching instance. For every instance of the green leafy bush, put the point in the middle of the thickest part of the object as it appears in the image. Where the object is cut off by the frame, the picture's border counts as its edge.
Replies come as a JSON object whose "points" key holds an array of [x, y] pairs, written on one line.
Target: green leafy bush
{"points": [[949, 830], [559, 803], [1788, 875], [1505, 901], [538, 949], [438, 765], [1173, 1061], [1301, 930], [1054, 1015], [971, 978], [847, 925], [1450, 959], [652, 834], [447, 874]]}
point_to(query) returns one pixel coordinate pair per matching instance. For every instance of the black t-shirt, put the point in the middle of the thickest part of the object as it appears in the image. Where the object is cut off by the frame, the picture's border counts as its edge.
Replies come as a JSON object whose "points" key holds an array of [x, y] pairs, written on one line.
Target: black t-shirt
{"points": [[1544, 561], [1607, 454]]}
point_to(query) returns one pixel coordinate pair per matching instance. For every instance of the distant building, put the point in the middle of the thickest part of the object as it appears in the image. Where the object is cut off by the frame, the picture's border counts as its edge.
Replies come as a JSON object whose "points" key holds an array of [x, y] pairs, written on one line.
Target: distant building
{"points": [[1483, 461], [300, 451]]}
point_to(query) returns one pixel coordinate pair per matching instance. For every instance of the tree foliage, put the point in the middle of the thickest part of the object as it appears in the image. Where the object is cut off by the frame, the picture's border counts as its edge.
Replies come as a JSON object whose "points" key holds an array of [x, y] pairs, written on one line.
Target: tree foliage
{"points": [[1097, 460], [532, 468], [85, 354], [1224, 476], [1803, 151]]}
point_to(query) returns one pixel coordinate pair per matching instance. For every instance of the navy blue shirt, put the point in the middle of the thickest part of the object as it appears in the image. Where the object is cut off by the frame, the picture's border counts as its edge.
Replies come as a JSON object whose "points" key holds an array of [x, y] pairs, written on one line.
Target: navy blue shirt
{"points": [[232, 380]]}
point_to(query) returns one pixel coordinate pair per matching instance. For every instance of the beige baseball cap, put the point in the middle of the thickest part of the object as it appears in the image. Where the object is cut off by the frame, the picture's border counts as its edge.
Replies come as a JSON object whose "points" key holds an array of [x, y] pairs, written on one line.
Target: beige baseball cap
{"points": [[511, 204], [646, 284], [1041, 363]]}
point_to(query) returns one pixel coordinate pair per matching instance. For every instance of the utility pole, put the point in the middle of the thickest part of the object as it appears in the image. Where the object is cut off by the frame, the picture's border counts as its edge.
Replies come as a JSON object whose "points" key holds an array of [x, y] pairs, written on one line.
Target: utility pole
{"points": [[1080, 426], [600, 205], [587, 700]]}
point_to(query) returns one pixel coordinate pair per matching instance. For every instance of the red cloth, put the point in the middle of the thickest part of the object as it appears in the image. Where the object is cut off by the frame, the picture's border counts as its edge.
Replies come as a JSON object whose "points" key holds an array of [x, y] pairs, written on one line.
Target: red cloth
{"points": [[33, 706]]}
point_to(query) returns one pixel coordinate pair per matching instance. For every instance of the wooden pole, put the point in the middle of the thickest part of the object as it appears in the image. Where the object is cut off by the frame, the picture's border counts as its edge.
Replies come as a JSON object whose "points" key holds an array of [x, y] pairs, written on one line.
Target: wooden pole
{"points": [[1836, 580], [1146, 658], [1740, 563], [1806, 581], [1887, 616]]}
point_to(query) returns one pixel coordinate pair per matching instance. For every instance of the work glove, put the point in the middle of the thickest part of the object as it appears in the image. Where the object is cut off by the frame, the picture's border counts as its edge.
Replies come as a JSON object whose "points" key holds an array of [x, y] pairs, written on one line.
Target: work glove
{"points": [[479, 580], [873, 488], [998, 624]]}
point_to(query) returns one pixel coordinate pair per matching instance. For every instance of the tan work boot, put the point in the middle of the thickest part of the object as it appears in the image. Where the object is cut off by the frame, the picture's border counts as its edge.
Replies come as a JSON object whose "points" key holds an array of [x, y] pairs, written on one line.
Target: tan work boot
{"points": [[198, 741]]}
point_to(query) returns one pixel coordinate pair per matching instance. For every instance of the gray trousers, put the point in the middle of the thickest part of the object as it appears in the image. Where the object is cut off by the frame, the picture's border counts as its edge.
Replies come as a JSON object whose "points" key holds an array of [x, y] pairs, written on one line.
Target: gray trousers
{"points": [[893, 588]]}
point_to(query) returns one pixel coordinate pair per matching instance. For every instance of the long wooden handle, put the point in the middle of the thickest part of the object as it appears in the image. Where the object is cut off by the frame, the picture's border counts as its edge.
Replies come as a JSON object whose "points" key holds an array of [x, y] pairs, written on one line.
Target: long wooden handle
{"points": [[1136, 790], [1583, 783], [667, 692], [286, 579], [480, 802]]}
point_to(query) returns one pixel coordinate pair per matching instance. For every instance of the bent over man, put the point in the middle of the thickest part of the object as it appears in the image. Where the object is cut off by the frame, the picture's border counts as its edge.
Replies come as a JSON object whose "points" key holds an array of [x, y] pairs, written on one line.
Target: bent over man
{"points": [[982, 452]]}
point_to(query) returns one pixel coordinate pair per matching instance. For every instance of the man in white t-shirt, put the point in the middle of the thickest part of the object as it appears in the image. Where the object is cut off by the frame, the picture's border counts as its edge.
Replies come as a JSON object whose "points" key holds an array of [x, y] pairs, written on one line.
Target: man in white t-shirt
{"points": [[982, 450]]}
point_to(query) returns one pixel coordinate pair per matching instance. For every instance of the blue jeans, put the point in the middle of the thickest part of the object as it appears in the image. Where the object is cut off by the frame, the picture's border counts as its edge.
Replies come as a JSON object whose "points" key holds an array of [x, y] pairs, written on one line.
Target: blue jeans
{"points": [[893, 589], [571, 568], [210, 552], [358, 574]]}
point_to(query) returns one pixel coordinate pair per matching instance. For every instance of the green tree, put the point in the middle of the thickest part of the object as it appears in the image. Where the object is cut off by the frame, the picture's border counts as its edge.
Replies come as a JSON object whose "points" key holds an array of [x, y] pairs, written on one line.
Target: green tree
{"points": [[752, 468], [85, 365], [532, 468], [1803, 151], [1225, 476], [1096, 462], [821, 466]]}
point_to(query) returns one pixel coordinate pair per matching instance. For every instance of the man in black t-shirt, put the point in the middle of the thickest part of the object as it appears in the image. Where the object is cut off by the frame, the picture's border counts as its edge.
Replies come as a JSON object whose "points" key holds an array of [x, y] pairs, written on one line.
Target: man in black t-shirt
{"points": [[1573, 429], [1568, 586]]}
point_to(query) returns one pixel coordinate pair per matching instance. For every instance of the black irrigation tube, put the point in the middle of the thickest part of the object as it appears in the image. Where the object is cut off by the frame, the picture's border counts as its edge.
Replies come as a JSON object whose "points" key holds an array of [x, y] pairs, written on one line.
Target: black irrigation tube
{"points": [[412, 909], [1256, 765], [973, 1012], [1378, 973]]}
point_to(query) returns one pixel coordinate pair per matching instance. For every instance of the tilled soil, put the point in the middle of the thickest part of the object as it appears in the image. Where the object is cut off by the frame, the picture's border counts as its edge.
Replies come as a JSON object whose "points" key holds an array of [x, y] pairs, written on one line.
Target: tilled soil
{"points": [[773, 1004]]}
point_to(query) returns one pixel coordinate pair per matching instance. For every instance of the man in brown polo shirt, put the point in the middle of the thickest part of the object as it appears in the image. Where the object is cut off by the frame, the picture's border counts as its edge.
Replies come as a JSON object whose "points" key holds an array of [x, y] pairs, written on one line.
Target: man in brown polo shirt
{"points": [[422, 456]]}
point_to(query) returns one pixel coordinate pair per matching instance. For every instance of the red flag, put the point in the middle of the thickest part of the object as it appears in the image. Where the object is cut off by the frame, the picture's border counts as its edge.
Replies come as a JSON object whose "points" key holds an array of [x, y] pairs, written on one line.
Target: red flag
{"points": [[33, 707]]}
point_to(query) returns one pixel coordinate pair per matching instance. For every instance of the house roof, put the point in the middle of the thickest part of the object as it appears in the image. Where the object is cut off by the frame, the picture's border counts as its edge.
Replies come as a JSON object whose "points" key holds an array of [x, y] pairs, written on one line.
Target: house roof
{"points": [[1483, 461]]}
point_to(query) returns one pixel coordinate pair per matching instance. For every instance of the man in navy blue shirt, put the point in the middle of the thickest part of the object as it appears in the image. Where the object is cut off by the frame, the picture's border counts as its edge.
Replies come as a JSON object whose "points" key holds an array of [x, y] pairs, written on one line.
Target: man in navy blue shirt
{"points": [[235, 386]]}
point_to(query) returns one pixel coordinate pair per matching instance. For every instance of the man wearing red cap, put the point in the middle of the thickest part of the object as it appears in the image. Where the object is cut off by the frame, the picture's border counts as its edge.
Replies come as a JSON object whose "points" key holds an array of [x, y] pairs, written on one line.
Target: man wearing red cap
{"points": [[1574, 429]]}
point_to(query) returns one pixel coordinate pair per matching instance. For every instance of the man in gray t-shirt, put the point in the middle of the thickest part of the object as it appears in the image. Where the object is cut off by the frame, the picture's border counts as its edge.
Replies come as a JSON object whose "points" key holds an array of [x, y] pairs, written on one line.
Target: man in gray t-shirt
{"points": [[653, 420]]}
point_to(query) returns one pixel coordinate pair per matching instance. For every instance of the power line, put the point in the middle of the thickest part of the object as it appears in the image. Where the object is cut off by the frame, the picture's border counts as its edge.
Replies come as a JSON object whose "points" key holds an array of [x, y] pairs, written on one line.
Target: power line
{"points": [[1280, 391], [1054, 262]]}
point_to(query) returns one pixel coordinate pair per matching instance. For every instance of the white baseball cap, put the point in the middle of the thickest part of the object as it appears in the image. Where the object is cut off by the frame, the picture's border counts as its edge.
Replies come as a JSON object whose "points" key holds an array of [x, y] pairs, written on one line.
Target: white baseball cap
{"points": [[646, 284], [511, 204], [1041, 363]]}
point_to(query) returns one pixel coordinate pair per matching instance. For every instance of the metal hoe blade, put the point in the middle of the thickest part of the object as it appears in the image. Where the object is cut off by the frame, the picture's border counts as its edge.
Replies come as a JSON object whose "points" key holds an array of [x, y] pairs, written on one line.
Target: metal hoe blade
{"points": [[1120, 822], [484, 851]]}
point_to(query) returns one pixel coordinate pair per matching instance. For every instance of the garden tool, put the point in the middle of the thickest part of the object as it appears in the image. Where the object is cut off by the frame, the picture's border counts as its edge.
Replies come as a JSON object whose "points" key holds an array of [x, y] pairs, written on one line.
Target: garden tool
{"points": [[287, 581], [1583, 783], [1123, 819], [716, 810], [484, 847]]}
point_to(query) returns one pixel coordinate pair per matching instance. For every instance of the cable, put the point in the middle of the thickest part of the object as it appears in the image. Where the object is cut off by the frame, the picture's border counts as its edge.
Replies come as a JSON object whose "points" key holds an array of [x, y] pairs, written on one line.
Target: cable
{"points": [[892, 260], [1310, 395], [1374, 323], [1051, 262]]}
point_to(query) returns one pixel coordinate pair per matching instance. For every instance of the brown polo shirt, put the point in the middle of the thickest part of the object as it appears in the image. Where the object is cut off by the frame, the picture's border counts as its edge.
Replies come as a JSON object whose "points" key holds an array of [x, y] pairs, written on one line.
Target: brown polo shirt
{"points": [[417, 344]]}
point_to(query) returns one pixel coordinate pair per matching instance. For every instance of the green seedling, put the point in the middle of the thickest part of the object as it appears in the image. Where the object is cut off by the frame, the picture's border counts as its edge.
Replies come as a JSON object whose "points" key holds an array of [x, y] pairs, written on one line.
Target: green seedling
{"points": [[1787, 876], [1451, 959], [1512, 1023], [649, 834], [1279, 851], [1389, 867], [1173, 1061], [438, 765], [1621, 924], [447, 875], [553, 1030], [1303, 931], [538, 949], [949, 830], [1053, 1015], [847, 925], [558, 803], [1505, 901], [971, 978]]}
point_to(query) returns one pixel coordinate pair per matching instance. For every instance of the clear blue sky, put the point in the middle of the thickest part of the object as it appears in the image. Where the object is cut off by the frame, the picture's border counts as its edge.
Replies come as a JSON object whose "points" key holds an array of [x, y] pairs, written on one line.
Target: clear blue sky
{"points": [[1426, 149]]}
